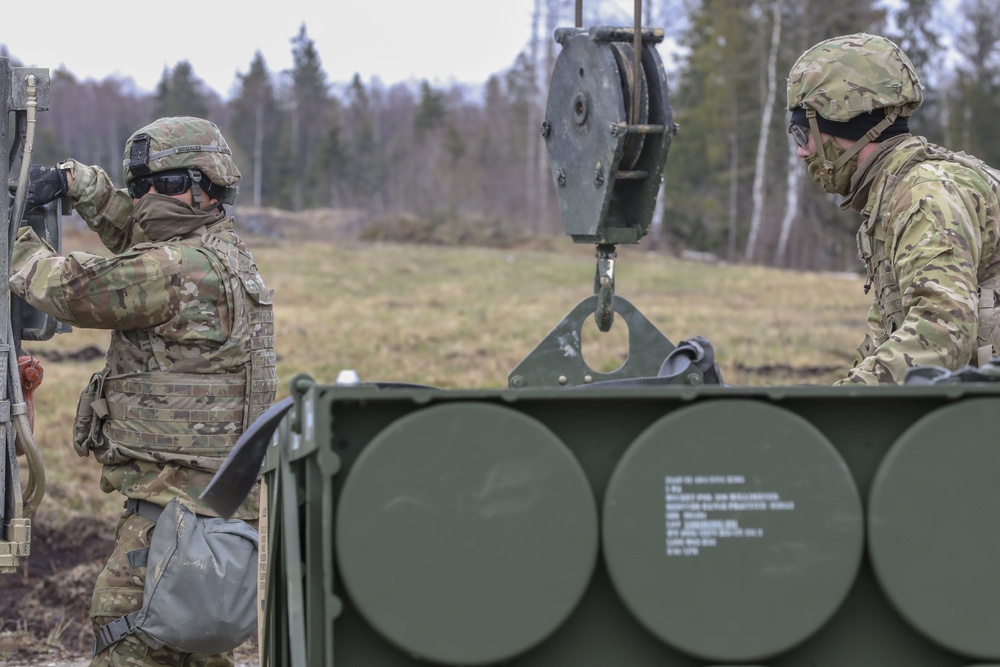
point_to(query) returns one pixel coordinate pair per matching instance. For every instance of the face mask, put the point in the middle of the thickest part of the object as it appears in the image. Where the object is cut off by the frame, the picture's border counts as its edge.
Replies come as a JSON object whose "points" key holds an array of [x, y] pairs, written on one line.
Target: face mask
{"points": [[162, 217], [839, 182]]}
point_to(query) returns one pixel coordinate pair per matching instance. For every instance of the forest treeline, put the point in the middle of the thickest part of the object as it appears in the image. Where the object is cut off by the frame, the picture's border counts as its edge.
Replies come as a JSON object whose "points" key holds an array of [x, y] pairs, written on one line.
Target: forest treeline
{"points": [[472, 160]]}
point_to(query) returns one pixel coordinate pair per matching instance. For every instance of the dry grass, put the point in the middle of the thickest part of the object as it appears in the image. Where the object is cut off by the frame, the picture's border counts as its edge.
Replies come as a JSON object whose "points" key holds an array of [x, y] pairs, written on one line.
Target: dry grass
{"points": [[464, 317], [448, 317]]}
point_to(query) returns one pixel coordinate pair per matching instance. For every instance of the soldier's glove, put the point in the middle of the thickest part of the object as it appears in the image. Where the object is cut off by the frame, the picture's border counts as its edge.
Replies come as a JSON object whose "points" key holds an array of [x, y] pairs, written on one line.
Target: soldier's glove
{"points": [[44, 185]]}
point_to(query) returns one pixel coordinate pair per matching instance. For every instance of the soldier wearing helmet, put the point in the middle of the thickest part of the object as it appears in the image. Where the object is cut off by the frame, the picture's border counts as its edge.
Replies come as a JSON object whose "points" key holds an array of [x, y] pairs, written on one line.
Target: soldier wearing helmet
{"points": [[191, 360], [930, 238]]}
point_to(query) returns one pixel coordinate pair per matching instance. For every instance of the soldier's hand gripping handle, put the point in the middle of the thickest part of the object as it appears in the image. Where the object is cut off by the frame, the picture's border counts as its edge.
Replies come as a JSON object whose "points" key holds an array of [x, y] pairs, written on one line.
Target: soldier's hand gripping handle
{"points": [[45, 184]]}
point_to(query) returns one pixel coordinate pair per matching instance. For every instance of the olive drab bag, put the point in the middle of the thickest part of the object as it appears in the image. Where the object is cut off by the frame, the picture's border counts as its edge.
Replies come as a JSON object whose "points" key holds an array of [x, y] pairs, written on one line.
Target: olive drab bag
{"points": [[200, 593]]}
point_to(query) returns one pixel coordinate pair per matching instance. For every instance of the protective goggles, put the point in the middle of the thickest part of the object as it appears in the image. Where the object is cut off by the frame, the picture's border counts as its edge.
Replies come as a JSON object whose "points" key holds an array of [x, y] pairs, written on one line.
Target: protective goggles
{"points": [[163, 182], [800, 134]]}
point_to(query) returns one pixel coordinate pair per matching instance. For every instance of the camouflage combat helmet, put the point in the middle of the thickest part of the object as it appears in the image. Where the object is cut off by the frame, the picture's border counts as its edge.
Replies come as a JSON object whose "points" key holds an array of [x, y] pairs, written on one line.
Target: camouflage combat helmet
{"points": [[846, 76], [841, 79], [184, 142]]}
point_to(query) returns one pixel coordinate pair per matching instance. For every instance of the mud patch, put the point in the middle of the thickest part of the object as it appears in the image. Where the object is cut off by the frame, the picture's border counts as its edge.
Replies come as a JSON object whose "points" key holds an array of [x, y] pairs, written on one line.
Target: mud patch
{"points": [[44, 609], [772, 371]]}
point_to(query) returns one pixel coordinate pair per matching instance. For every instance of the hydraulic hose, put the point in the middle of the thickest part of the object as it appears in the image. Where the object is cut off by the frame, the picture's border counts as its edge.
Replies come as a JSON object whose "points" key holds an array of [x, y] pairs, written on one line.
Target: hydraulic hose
{"points": [[21, 198], [34, 488]]}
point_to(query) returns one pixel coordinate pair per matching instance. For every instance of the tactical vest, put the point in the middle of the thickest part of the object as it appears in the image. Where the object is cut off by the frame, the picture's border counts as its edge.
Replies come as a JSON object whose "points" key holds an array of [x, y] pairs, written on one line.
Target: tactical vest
{"points": [[888, 296], [192, 409]]}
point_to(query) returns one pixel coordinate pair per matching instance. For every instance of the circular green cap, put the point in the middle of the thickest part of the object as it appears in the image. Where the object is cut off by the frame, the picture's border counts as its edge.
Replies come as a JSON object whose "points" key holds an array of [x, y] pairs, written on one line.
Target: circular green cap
{"points": [[732, 530], [466, 533], [932, 527]]}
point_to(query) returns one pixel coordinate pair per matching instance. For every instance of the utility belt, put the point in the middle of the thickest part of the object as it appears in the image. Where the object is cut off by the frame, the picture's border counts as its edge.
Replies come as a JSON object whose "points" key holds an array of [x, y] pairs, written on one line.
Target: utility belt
{"points": [[145, 509], [200, 589]]}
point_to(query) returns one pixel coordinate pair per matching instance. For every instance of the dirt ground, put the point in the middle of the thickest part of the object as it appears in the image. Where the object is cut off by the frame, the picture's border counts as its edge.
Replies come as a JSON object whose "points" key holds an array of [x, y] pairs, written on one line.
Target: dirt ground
{"points": [[44, 608]]}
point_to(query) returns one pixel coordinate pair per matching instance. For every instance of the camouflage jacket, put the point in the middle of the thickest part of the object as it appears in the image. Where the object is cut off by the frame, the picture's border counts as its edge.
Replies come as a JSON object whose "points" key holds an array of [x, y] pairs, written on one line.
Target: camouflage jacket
{"points": [[191, 360], [931, 238]]}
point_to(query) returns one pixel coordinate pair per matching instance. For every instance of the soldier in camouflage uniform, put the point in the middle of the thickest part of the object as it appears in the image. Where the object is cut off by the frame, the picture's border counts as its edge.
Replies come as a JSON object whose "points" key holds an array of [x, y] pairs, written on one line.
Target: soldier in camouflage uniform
{"points": [[931, 232], [191, 362]]}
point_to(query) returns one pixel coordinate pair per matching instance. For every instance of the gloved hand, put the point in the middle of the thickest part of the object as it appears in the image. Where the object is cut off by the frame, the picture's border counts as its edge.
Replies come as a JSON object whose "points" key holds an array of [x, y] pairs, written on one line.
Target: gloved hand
{"points": [[44, 185]]}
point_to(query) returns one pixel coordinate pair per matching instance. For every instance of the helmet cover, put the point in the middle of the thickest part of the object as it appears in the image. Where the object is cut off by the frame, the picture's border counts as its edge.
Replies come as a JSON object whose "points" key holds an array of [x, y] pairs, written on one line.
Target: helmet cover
{"points": [[181, 142], [846, 76]]}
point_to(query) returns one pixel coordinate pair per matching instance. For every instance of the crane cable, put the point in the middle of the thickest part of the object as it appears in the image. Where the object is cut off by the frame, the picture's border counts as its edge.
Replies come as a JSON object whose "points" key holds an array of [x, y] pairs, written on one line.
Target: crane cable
{"points": [[636, 65]]}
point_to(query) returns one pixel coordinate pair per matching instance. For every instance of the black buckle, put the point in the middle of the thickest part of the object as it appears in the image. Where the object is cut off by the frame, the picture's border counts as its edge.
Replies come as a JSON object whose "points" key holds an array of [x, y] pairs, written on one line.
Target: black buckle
{"points": [[112, 633]]}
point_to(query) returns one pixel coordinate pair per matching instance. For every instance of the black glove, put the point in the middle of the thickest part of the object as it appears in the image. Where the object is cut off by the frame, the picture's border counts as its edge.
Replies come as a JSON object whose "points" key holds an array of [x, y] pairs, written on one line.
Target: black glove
{"points": [[44, 185]]}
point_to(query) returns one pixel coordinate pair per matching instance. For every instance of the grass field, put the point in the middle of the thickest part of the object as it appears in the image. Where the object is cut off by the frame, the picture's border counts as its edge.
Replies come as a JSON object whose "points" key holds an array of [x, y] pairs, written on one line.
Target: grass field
{"points": [[447, 317], [464, 317]]}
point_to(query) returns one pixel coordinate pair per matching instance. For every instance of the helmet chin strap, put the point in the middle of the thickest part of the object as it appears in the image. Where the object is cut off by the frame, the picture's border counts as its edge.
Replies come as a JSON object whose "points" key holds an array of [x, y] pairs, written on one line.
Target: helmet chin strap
{"points": [[197, 193], [829, 167]]}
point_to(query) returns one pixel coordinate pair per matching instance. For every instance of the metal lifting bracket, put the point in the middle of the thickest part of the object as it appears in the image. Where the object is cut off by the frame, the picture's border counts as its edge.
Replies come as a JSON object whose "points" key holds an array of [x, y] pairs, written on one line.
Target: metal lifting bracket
{"points": [[607, 129]]}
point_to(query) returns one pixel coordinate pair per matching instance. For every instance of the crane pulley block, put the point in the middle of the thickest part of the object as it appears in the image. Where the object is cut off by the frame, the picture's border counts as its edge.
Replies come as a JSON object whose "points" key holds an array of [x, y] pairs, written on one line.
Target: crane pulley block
{"points": [[607, 129]]}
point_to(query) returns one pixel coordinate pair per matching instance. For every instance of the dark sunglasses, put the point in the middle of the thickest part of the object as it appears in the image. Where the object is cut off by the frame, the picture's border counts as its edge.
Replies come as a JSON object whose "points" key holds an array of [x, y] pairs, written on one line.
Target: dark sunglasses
{"points": [[800, 134], [164, 183]]}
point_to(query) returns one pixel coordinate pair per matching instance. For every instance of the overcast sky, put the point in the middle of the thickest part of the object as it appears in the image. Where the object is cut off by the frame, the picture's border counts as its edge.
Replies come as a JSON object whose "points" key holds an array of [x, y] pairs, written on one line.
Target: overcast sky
{"points": [[443, 41]]}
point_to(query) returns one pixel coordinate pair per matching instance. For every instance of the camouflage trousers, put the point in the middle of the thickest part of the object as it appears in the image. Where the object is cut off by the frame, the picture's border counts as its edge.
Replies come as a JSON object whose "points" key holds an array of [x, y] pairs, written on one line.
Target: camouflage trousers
{"points": [[119, 591]]}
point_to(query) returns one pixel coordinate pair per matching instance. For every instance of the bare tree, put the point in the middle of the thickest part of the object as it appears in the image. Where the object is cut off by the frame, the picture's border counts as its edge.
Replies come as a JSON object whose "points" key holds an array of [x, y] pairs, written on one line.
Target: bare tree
{"points": [[793, 181], [255, 122], [760, 171]]}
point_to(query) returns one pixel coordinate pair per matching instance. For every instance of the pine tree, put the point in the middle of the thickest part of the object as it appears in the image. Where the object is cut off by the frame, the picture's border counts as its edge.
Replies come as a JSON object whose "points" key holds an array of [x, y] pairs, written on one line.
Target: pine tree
{"points": [[181, 93], [309, 119], [362, 149], [431, 110], [717, 107], [917, 32], [256, 126], [975, 99]]}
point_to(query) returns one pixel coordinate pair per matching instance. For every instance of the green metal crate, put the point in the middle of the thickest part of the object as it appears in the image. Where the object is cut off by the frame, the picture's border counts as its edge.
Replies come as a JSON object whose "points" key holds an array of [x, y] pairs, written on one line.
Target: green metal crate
{"points": [[666, 526]]}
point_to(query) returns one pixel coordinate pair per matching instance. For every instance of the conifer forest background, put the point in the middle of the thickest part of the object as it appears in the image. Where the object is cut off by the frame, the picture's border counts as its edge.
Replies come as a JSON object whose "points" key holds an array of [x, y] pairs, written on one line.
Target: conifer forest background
{"points": [[410, 159]]}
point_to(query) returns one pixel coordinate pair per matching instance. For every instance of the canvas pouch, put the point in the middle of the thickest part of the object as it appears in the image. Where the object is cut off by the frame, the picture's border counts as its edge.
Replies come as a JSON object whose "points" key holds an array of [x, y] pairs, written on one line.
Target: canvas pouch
{"points": [[200, 592]]}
